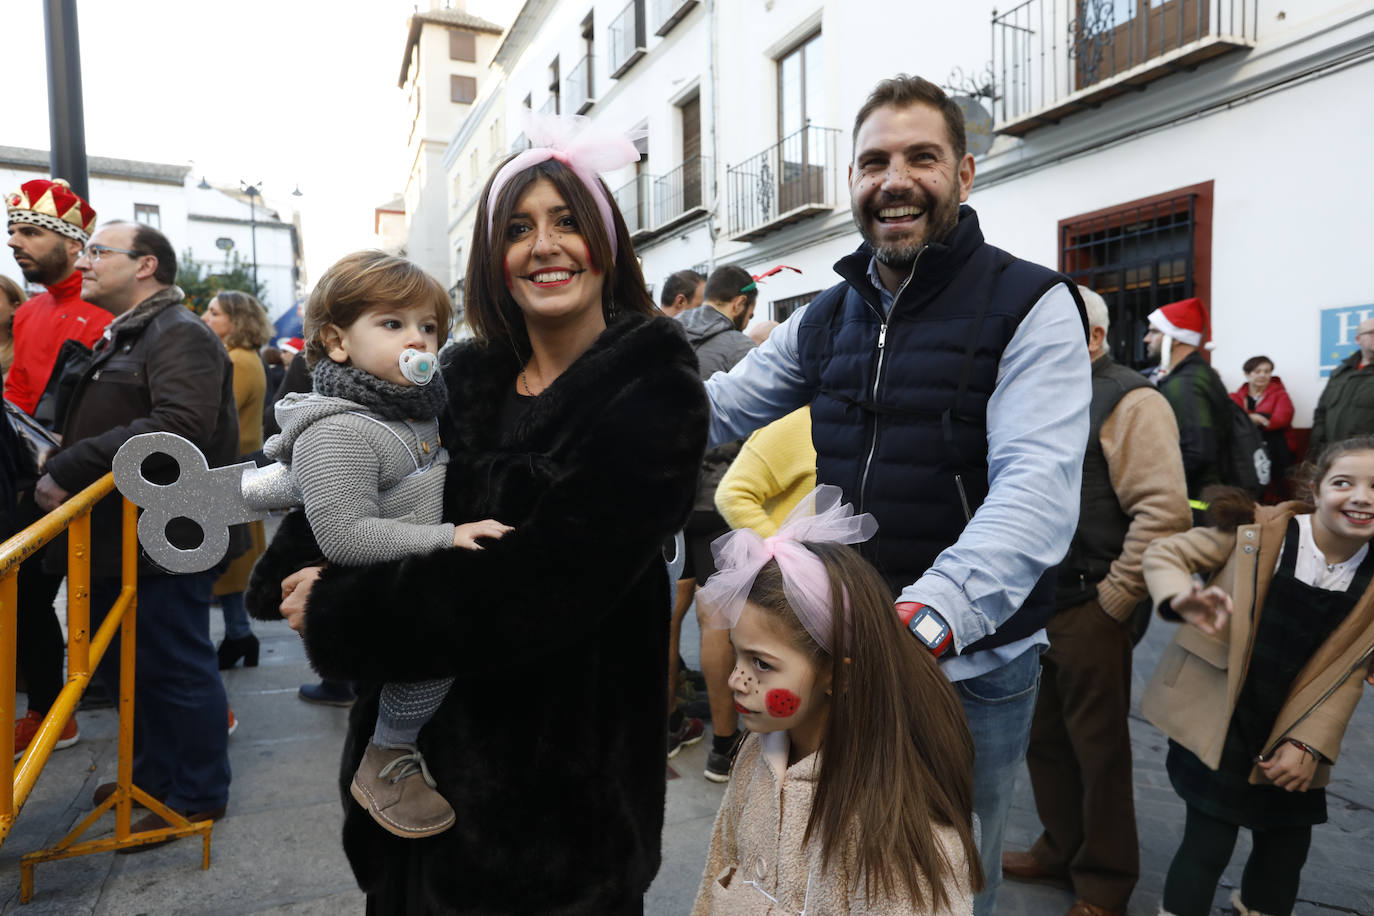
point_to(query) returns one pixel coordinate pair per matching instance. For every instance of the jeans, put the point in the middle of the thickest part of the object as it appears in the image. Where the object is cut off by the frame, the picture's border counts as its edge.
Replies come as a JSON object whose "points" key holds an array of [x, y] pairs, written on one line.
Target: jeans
{"points": [[998, 705], [181, 712], [236, 623]]}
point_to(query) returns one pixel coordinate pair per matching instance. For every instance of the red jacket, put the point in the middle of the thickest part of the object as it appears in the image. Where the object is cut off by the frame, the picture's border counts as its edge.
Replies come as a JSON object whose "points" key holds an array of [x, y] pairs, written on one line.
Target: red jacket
{"points": [[40, 327], [1274, 404]]}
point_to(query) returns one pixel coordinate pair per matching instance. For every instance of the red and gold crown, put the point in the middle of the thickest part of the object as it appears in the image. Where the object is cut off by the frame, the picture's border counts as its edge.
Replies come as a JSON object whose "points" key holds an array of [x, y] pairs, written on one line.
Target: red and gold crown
{"points": [[51, 205]]}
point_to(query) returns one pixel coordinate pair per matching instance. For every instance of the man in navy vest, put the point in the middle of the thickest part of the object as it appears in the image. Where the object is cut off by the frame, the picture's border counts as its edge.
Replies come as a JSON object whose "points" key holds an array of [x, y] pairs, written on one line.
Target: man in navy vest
{"points": [[949, 387], [1080, 745]]}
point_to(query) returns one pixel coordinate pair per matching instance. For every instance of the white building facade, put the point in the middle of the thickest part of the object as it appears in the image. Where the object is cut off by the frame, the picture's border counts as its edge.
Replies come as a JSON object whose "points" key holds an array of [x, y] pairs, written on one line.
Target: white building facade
{"points": [[442, 69], [201, 221], [1152, 149]]}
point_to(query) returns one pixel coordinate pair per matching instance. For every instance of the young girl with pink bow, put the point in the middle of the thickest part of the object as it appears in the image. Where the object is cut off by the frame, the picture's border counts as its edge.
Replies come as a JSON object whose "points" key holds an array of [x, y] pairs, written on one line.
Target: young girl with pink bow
{"points": [[853, 792]]}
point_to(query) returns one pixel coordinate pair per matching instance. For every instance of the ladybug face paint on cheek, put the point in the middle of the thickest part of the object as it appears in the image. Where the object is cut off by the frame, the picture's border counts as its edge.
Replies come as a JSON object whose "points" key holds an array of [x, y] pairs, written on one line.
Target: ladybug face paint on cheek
{"points": [[781, 703]]}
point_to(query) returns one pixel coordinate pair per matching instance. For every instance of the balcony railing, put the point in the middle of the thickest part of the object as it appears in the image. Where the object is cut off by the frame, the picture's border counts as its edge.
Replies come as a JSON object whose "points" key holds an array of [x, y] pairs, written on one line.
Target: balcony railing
{"points": [[682, 192], [577, 87], [635, 201], [1052, 58], [791, 180], [627, 38], [664, 14]]}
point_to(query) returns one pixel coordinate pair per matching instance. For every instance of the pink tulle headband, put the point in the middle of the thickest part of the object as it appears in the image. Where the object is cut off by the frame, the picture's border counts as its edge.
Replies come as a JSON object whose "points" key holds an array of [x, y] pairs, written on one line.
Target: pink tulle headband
{"points": [[575, 142], [739, 555]]}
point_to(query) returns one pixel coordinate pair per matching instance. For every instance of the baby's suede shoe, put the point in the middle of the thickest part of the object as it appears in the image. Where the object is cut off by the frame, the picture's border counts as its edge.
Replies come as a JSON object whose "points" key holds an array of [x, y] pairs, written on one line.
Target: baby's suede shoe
{"points": [[394, 785]]}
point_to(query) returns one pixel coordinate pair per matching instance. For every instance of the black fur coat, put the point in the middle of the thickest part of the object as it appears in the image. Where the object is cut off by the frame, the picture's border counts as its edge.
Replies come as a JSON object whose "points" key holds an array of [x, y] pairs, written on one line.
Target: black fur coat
{"points": [[550, 745]]}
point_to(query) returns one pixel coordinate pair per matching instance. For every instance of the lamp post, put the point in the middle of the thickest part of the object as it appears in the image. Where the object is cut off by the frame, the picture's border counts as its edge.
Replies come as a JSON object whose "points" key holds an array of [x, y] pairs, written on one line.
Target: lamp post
{"points": [[253, 190]]}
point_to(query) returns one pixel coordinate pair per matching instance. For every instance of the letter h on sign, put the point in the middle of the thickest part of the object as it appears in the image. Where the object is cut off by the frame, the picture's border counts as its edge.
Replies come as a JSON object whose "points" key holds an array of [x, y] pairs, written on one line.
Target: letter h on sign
{"points": [[1338, 334]]}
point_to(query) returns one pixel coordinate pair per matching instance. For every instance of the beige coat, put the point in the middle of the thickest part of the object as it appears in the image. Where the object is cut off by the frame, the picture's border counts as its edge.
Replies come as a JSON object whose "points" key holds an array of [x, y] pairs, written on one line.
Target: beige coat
{"points": [[758, 865], [1194, 690]]}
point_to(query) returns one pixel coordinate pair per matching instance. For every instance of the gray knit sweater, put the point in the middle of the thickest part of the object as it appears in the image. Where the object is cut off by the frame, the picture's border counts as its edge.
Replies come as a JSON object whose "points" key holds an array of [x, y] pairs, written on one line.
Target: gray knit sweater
{"points": [[373, 488]]}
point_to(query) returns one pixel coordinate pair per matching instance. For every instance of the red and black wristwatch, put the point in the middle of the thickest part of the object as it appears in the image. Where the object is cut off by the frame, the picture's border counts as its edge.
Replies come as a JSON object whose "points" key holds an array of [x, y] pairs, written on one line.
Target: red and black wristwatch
{"points": [[926, 625]]}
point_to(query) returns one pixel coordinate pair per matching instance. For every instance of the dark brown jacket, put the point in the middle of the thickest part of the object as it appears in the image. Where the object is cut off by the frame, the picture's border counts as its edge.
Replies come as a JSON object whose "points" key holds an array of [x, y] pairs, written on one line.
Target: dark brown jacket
{"points": [[594, 476], [162, 370]]}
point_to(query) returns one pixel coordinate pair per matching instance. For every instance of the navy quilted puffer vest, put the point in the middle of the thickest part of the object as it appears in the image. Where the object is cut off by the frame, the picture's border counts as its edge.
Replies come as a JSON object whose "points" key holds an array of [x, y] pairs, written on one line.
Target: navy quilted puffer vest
{"points": [[899, 419]]}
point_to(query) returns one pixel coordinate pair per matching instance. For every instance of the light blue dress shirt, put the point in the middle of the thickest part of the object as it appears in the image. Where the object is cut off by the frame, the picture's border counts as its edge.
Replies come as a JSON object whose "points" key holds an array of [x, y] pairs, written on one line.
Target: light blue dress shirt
{"points": [[1037, 429]]}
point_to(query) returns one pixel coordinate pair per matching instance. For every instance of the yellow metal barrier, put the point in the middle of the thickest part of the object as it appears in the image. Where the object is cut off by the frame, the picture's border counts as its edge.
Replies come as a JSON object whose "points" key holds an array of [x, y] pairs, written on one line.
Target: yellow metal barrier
{"points": [[83, 655]]}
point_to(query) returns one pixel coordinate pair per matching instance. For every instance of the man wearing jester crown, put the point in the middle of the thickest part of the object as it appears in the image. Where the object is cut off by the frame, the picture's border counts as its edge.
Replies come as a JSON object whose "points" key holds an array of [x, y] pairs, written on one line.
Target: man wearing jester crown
{"points": [[48, 225]]}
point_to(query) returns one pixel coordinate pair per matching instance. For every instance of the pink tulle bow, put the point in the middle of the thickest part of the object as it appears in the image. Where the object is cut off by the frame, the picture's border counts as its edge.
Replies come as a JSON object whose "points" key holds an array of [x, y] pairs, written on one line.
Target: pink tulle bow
{"points": [[739, 555], [575, 142]]}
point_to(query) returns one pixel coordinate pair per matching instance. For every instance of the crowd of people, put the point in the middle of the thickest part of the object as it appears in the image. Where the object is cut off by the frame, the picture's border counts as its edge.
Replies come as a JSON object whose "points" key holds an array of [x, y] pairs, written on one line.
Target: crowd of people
{"points": [[882, 645]]}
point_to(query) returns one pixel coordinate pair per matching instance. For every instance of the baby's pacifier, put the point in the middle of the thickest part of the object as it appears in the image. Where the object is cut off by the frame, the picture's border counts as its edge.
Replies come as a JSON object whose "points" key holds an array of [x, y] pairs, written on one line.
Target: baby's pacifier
{"points": [[418, 366]]}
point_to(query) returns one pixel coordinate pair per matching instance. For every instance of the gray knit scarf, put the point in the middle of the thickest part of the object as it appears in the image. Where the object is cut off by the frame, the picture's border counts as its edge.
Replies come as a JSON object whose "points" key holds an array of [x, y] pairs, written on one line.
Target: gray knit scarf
{"points": [[388, 400]]}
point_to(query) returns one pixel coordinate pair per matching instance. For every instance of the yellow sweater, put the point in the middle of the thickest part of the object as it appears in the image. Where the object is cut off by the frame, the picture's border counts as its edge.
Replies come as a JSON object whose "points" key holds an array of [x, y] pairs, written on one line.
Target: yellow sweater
{"points": [[774, 470]]}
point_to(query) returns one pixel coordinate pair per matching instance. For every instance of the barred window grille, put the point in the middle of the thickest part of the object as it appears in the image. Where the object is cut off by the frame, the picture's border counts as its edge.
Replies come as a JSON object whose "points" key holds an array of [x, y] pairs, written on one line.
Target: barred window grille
{"points": [[1140, 256], [783, 308]]}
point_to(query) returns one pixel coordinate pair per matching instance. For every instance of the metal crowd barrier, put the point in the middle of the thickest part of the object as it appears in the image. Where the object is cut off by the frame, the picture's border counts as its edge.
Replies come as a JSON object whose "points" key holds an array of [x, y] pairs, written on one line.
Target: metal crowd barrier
{"points": [[84, 653]]}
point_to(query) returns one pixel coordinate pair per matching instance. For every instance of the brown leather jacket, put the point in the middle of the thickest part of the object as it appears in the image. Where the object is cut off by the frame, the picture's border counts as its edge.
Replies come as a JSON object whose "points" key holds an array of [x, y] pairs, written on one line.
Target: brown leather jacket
{"points": [[163, 369], [1195, 687]]}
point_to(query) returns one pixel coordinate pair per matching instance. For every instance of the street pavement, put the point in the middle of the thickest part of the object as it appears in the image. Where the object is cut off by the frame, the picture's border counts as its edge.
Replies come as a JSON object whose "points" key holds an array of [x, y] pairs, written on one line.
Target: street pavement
{"points": [[278, 849]]}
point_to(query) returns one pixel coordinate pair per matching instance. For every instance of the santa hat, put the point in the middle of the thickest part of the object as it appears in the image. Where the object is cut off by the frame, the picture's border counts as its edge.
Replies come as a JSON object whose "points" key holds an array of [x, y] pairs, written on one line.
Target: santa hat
{"points": [[1184, 321], [292, 345], [52, 205]]}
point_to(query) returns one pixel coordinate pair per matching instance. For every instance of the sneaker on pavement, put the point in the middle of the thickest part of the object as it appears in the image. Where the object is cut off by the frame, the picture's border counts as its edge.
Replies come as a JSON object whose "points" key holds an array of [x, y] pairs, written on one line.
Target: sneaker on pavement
{"points": [[718, 765], [328, 693], [687, 734], [233, 722], [26, 728], [386, 785]]}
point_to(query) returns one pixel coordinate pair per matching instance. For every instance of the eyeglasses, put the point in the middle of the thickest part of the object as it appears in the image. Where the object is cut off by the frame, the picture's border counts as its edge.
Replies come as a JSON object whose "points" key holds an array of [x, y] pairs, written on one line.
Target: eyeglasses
{"points": [[96, 252]]}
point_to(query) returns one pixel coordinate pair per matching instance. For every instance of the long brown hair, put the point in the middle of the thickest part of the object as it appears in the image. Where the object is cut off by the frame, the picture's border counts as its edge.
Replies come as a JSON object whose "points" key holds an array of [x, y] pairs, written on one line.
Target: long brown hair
{"points": [[492, 312], [896, 754]]}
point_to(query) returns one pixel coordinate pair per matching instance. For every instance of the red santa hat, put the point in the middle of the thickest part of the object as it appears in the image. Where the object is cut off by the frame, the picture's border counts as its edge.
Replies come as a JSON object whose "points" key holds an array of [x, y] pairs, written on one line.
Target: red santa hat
{"points": [[1184, 321], [292, 345]]}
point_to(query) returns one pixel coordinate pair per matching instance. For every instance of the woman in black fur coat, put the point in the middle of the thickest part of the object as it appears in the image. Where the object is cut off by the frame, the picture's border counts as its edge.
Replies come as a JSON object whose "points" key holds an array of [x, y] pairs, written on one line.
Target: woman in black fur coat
{"points": [[577, 417]]}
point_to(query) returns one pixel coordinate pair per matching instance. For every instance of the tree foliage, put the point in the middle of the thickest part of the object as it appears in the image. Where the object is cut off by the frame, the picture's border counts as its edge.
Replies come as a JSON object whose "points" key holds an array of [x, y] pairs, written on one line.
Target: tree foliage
{"points": [[200, 281]]}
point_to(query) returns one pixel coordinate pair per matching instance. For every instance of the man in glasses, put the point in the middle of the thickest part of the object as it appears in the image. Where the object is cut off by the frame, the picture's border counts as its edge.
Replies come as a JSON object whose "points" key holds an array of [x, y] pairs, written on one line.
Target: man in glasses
{"points": [[159, 368], [48, 225]]}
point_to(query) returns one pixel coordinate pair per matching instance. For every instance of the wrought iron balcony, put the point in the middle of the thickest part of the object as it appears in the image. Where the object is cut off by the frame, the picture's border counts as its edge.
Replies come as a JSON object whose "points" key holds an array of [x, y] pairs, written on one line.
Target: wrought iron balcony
{"points": [[1052, 58], [682, 193], [790, 180], [577, 87], [627, 38], [635, 200], [664, 14]]}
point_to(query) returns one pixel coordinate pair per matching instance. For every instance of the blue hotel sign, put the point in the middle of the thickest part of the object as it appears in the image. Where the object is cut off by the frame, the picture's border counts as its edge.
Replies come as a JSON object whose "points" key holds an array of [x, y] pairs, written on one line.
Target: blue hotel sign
{"points": [[1338, 334]]}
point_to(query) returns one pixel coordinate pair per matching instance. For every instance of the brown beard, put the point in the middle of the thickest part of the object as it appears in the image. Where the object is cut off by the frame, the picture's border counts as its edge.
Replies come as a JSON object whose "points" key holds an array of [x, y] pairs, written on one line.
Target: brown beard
{"points": [[47, 268], [942, 217]]}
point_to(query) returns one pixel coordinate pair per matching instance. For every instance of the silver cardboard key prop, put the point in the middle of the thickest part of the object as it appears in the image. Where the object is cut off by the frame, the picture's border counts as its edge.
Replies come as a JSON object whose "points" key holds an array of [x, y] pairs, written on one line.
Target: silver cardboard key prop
{"points": [[212, 498]]}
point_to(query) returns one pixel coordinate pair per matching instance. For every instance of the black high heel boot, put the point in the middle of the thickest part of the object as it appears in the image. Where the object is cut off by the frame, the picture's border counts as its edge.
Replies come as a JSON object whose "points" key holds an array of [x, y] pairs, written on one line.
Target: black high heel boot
{"points": [[231, 650]]}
